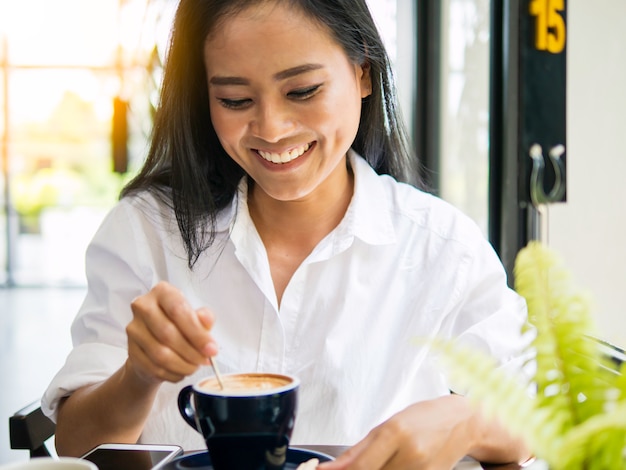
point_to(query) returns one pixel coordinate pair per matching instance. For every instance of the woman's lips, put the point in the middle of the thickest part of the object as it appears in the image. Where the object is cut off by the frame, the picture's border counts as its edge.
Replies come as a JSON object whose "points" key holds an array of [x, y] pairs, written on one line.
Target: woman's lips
{"points": [[286, 156]]}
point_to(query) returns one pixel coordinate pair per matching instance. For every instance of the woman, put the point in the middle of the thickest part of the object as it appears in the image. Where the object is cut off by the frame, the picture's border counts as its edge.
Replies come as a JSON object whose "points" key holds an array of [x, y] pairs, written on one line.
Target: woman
{"points": [[272, 217]]}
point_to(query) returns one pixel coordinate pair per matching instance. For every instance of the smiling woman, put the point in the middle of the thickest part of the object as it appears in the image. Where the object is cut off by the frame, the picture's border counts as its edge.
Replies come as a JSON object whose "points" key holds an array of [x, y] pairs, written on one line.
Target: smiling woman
{"points": [[304, 103], [279, 214], [287, 118]]}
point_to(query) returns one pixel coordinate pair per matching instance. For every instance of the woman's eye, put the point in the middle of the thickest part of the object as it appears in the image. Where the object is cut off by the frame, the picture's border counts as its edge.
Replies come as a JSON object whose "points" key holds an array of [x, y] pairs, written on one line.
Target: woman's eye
{"points": [[304, 93], [235, 104]]}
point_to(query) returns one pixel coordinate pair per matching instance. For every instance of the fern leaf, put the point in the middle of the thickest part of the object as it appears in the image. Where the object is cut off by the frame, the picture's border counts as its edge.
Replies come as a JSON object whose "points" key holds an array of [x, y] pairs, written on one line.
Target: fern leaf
{"points": [[567, 364], [576, 419], [596, 425], [502, 395]]}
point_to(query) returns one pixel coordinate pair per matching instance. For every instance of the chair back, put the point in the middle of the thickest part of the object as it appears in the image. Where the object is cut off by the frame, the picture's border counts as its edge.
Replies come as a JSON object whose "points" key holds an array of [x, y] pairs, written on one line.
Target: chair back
{"points": [[29, 429]]}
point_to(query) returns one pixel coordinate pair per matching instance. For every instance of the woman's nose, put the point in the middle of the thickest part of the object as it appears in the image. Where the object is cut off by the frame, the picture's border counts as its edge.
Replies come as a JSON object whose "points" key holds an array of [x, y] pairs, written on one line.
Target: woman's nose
{"points": [[272, 122]]}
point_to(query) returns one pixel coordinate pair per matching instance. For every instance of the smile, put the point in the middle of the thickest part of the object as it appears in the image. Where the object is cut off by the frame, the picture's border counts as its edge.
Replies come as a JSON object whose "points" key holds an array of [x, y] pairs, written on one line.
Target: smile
{"points": [[284, 157]]}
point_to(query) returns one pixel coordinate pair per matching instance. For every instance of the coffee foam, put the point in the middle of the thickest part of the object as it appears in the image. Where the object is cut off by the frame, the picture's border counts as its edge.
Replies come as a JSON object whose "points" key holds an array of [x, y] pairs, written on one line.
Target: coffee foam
{"points": [[245, 384]]}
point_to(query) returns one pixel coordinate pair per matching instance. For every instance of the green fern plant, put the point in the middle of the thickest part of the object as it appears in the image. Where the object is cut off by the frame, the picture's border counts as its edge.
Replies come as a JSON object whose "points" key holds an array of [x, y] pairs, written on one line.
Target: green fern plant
{"points": [[572, 413]]}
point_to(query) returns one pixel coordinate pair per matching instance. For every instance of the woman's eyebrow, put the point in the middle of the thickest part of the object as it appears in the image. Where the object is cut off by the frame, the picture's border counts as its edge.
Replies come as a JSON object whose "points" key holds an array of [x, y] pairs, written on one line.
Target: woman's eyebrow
{"points": [[218, 80], [282, 75], [300, 69]]}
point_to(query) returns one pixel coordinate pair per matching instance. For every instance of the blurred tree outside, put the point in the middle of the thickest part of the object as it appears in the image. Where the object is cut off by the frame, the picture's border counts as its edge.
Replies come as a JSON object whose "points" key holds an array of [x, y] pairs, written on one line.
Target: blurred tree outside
{"points": [[65, 162], [61, 78]]}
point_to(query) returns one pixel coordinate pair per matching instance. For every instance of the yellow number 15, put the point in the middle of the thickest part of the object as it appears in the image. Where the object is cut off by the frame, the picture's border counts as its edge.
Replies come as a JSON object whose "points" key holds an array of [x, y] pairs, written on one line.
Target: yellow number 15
{"points": [[550, 25]]}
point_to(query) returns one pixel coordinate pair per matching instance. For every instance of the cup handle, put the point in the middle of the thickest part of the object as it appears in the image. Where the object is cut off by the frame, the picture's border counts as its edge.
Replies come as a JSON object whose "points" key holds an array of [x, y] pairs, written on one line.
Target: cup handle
{"points": [[185, 407]]}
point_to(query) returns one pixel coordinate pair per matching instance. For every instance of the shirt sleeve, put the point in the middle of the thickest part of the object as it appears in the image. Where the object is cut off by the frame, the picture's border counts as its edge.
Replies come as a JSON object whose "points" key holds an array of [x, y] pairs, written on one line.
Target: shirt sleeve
{"points": [[116, 273], [488, 315]]}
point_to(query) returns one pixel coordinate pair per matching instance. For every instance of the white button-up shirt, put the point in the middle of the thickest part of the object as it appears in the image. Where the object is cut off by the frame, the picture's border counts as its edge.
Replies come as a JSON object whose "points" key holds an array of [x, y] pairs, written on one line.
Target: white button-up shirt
{"points": [[401, 266]]}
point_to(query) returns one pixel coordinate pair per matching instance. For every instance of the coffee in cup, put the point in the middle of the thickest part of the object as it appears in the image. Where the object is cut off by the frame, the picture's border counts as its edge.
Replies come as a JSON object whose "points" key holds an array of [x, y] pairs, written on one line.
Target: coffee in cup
{"points": [[245, 383], [248, 423]]}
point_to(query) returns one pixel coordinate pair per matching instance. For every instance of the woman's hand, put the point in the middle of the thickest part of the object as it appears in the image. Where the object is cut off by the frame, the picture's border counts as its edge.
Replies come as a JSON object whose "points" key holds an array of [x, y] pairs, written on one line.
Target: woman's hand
{"points": [[167, 339], [430, 435]]}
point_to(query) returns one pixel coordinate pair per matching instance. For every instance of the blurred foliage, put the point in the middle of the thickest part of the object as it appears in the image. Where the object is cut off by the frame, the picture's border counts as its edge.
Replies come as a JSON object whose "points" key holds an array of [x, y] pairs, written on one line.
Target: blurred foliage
{"points": [[572, 412], [64, 162]]}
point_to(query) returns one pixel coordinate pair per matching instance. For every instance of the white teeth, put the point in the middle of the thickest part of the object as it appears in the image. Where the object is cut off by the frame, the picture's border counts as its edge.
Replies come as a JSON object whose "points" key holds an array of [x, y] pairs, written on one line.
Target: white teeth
{"points": [[284, 157]]}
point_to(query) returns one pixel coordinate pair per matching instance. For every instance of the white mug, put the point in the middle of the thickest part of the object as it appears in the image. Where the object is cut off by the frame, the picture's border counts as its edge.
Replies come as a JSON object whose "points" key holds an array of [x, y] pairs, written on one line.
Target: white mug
{"points": [[50, 463]]}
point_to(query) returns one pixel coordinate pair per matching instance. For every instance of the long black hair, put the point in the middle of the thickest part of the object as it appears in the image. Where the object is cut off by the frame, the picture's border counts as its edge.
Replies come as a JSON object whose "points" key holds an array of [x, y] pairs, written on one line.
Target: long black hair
{"points": [[186, 166]]}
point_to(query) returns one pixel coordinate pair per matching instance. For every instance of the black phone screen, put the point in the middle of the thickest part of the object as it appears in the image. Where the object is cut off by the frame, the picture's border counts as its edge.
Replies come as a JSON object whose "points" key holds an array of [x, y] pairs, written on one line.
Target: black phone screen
{"points": [[126, 459]]}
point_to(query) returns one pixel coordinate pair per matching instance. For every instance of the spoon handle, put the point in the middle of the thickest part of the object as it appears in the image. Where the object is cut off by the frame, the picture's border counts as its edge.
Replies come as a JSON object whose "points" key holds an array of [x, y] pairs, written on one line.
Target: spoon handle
{"points": [[217, 372]]}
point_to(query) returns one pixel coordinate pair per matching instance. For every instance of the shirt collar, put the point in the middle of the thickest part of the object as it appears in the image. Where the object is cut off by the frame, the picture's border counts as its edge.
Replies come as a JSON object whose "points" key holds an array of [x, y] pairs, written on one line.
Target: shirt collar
{"points": [[368, 216]]}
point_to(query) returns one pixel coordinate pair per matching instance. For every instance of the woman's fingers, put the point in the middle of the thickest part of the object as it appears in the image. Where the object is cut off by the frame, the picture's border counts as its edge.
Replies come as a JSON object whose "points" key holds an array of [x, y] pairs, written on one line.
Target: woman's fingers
{"points": [[147, 369], [182, 315], [168, 339], [373, 452], [207, 319], [428, 435]]}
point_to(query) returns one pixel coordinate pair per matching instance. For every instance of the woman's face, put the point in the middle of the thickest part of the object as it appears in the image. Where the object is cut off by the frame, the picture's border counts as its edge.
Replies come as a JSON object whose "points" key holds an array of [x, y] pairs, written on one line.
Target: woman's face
{"points": [[285, 100]]}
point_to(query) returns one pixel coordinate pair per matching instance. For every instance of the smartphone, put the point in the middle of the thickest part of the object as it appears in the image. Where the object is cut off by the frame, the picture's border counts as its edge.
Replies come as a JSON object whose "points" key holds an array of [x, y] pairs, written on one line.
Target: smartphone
{"points": [[132, 456]]}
